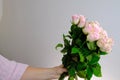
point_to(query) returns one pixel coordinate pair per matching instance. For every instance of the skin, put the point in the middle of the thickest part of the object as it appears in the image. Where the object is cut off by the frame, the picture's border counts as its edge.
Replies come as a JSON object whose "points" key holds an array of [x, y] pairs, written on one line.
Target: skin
{"points": [[33, 73]]}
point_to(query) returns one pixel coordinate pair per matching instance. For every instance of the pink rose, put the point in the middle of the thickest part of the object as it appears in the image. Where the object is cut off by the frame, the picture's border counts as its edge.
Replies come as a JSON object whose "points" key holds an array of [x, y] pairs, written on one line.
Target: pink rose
{"points": [[91, 27], [102, 42], [103, 33], [95, 27], [110, 41], [105, 44], [82, 21], [93, 37], [107, 48], [87, 28], [75, 19]]}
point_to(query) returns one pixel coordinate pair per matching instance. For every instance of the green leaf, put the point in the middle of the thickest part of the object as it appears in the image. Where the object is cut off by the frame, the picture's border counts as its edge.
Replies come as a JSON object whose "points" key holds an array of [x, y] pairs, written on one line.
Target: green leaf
{"points": [[89, 73], [71, 78], [68, 36], [59, 45], [62, 76], [92, 45], [75, 31], [64, 50], [66, 42], [81, 66], [66, 60], [102, 53], [78, 42], [81, 74], [89, 58], [81, 57], [97, 70], [93, 59], [75, 50], [85, 51], [71, 71]]}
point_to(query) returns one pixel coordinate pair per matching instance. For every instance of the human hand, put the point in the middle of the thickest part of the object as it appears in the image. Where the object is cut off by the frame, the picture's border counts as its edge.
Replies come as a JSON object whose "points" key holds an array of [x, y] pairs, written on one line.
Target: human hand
{"points": [[57, 71], [33, 73]]}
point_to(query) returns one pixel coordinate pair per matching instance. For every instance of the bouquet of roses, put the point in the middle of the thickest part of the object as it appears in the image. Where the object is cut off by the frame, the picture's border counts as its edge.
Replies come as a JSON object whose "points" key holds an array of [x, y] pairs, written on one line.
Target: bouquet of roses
{"points": [[83, 47]]}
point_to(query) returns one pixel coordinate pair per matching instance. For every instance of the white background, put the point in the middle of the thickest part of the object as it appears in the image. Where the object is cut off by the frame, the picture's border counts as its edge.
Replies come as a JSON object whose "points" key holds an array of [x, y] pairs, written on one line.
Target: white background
{"points": [[30, 29]]}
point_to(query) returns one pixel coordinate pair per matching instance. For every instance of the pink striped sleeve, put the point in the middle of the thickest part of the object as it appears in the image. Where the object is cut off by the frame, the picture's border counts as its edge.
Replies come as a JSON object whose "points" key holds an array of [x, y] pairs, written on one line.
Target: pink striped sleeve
{"points": [[11, 70]]}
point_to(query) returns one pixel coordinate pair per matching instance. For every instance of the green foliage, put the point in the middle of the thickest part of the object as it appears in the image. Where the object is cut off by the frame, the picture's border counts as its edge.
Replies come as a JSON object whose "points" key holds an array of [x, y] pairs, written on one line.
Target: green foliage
{"points": [[63, 76], [97, 70], [75, 50], [102, 53], [59, 45], [92, 45], [89, 73], [93, 58], [82, 74], [71, 78], [80, 57]]}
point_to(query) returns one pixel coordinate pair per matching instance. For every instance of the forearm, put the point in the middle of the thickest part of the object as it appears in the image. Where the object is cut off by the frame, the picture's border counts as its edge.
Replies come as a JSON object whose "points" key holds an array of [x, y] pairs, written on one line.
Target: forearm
{"points": [[32, 73], [36, 74]]}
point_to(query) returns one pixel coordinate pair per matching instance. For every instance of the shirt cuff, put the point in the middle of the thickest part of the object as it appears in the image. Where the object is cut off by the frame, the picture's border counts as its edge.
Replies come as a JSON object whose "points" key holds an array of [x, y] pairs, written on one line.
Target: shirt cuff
{"points": [[19, 71]]}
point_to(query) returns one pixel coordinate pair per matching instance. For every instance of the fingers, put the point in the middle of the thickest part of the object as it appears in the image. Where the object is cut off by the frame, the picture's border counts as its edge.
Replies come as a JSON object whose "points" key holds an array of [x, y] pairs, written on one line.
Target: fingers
{"points": [[61, 65], [60, 69]]}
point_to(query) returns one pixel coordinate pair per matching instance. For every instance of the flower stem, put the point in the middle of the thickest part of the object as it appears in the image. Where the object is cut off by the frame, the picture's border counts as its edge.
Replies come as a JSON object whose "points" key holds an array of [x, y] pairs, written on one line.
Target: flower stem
{"points": [[83, 44], [76, 78]]}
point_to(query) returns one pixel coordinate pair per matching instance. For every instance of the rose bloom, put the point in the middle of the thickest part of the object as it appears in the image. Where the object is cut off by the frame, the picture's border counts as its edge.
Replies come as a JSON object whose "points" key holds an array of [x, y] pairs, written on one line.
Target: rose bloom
{"points": [[75, 19], [92, 37], [105, 44], [103, 33], [91, 27], [107, 48], [82, 21], [96, 22], [110, 41], [101, 42]]}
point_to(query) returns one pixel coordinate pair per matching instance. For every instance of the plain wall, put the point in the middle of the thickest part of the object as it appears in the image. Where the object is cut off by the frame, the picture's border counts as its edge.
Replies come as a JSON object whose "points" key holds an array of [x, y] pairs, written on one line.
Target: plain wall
{"points": [[30, 30], [1, 7]]}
